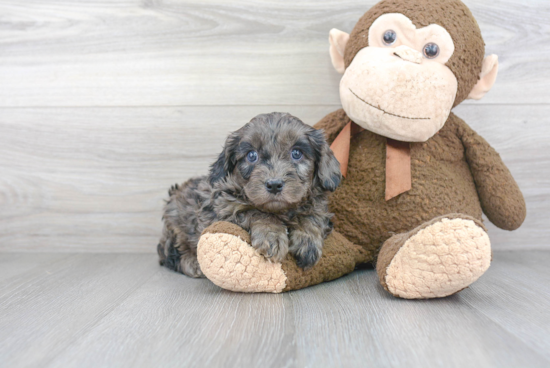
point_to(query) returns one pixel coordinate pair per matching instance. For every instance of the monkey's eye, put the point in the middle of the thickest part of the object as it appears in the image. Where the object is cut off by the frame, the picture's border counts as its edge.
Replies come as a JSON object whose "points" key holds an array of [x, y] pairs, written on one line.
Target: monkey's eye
{"points": [[252, 156], [296, 154], [389, 37], [431, 51]]}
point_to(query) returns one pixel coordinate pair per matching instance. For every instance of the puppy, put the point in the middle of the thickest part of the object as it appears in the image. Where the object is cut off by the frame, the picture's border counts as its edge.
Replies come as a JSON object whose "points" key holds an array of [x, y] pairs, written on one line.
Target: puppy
{"points": [[272, 179]]}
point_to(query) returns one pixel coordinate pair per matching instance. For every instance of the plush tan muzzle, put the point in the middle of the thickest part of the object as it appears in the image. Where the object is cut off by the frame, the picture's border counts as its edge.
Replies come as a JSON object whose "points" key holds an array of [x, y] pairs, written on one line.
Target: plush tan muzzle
{"points": [[396, 98]]}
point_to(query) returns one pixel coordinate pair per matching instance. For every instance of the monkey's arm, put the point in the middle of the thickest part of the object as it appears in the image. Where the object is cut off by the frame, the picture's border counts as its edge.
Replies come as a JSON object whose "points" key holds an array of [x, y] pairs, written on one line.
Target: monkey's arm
{"points": [[499, 194], [332, 124]]}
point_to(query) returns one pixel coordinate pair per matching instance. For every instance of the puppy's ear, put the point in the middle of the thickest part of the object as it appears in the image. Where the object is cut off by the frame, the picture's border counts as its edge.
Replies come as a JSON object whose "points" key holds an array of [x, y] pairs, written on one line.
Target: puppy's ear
{"points": [[327, 167], [225, 164]]}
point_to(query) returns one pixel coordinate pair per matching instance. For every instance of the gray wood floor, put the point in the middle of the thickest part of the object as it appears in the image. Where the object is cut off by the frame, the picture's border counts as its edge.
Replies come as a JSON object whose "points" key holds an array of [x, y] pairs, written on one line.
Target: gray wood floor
{"points": [[123, 310]]}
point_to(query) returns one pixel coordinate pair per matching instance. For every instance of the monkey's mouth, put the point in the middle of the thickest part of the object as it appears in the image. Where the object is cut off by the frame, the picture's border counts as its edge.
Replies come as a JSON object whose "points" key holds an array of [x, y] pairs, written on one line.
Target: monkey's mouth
{"points": [[384, 111]]}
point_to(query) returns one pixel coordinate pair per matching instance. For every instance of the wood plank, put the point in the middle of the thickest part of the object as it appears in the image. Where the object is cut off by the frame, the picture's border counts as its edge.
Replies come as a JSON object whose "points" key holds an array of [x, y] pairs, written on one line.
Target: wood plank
{"points": [[94, 179], [14, 264], [176, 321], [123, 310], [45, 309], [247, 52], [362, 325], [498, 296]]}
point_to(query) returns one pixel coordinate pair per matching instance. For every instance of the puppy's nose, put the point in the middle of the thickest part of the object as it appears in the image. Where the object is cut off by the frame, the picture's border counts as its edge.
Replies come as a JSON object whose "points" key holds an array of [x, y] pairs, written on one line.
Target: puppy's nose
{"points": [[274, 186]]}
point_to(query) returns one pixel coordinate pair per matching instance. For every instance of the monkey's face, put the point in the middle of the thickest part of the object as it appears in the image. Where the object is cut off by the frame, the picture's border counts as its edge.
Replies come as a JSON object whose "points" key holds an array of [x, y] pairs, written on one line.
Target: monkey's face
{"points": [[399, 86]]}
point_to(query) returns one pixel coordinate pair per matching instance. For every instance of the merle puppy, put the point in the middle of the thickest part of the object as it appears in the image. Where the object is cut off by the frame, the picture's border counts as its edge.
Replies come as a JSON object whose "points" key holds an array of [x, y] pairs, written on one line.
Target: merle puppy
{"points": [[272, 179]]}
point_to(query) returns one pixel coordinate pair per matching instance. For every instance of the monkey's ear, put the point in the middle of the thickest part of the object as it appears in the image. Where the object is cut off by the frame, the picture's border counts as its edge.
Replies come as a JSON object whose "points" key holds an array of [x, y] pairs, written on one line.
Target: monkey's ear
{"points": [[487, 78], [327, 167], [338, 41], [225, 164]]}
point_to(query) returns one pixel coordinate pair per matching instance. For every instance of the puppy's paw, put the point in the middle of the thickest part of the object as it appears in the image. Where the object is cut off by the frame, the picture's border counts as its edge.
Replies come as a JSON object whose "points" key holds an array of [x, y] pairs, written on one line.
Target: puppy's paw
{"points": [[270, 240], [305, 248], [189, 266]]}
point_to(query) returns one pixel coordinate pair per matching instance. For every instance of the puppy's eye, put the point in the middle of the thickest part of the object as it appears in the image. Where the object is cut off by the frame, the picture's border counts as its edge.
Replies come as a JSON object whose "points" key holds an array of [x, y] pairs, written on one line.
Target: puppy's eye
{"points": [[252, 156], [296, 154], [389, 37]]}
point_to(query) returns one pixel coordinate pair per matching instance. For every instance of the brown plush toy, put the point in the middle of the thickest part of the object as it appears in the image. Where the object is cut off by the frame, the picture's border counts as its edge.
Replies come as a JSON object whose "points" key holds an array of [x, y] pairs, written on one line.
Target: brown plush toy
{"points": [[417, 177]]}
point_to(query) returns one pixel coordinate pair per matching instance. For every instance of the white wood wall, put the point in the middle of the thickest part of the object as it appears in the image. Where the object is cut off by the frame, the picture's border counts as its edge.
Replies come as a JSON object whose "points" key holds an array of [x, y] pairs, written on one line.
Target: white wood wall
{"points": [[105, 104]]}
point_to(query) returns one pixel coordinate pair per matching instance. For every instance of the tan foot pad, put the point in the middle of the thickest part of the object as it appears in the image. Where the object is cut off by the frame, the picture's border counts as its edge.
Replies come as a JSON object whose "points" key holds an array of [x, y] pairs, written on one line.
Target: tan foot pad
{"points": [[231, 263], [439, 260]]}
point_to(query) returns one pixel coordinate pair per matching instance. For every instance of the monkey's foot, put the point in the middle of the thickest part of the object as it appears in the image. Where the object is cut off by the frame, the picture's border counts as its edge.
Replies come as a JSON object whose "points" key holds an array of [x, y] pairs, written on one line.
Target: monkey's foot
{"points": [[437, 259], [228, 260]]}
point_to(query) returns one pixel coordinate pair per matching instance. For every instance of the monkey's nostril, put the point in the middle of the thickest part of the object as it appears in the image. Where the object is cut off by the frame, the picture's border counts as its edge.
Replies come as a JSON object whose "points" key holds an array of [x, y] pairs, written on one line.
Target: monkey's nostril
{"points": [[408, 54], [274, 186]]}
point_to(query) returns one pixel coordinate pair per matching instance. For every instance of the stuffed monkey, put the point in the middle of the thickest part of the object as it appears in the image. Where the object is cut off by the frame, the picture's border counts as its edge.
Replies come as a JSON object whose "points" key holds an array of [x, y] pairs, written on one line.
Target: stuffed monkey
{"points": [[417, 177]]}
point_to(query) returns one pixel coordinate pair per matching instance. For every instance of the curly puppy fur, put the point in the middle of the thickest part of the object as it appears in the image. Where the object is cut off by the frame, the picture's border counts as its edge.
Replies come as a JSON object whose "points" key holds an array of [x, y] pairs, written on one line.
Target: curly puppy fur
{"points": [[272, 179]]}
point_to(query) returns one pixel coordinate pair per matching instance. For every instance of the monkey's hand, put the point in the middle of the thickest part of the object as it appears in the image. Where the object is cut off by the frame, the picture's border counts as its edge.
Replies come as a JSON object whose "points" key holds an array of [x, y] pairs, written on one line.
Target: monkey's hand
{"points": [[269, 238], [499, 194]]}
